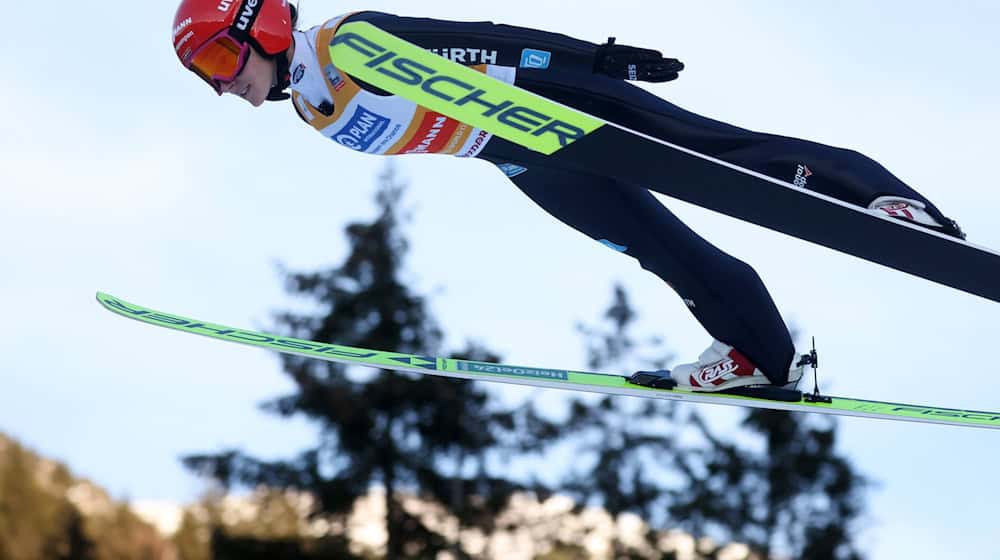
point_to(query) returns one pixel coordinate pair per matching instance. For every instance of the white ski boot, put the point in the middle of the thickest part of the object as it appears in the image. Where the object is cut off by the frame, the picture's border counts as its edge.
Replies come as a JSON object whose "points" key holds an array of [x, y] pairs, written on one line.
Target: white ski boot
{"points": [[722, 367], [916, 212]]}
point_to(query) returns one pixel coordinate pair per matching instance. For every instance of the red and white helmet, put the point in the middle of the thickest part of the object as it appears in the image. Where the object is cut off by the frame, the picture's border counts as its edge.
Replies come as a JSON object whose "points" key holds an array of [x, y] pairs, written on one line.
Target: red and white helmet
{"points": [[212, 37]]}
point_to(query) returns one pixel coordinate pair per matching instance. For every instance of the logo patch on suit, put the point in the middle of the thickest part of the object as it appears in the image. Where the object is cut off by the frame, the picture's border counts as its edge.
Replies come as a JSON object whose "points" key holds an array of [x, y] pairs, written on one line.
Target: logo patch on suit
{"points": [[432, 135], [362, 130], [300, 71], [511, 170], [531, 58], [336, 81]]}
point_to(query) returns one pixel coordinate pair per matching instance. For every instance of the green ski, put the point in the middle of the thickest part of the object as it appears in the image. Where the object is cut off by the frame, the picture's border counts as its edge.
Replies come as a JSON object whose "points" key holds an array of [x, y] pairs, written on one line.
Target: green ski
{"points": [[545, 377]]}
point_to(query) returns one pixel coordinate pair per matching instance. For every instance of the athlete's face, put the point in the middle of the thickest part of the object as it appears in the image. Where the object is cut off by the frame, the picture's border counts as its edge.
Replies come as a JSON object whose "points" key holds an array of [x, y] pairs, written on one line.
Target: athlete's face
{"points": [[254, 82]]}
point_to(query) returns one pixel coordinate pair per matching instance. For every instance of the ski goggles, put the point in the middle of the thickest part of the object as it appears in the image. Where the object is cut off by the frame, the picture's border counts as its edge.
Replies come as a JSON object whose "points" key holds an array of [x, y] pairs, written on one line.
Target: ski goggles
{"points": [[219, 60]]}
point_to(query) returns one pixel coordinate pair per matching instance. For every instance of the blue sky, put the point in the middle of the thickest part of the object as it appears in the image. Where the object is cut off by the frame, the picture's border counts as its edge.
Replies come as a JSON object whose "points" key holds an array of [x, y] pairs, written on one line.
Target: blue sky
{"points": [[121, 172]]}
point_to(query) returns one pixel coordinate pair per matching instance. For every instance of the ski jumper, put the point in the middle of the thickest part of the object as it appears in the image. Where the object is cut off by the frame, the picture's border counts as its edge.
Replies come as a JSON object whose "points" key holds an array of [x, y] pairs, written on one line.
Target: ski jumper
{"points": [[725, 294]]}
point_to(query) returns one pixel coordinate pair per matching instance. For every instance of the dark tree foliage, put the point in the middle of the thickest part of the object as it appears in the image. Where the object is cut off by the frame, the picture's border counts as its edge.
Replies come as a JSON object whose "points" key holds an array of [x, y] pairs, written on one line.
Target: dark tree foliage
{"points": [[627, 446], [227, 547], [797, 494], [416, 434], [776, 484]]}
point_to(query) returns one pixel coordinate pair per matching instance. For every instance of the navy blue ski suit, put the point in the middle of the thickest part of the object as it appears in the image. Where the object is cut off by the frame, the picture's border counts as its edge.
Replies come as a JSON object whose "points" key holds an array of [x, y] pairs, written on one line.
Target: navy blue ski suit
{"points": [[725, 294]]}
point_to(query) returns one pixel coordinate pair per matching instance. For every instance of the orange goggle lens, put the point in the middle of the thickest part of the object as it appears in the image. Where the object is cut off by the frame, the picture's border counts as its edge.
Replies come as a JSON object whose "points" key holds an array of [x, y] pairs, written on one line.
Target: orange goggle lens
{"points": [[219, 60]]}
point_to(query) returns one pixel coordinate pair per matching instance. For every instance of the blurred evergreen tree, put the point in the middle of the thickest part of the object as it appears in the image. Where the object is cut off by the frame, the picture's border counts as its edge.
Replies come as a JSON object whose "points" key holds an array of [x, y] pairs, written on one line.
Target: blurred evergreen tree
{"points": [[265, 524], [775, 483], [228, 547], [411, 434]]}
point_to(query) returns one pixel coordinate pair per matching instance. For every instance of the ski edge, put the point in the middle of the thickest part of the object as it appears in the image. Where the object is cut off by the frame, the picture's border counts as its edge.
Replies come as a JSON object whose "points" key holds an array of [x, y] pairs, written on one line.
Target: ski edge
{"points": [[593, 382]]}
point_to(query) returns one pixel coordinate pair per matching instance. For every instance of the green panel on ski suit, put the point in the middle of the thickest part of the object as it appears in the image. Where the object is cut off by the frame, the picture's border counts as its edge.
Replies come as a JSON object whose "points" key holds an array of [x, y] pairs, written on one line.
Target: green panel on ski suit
{"points": [[366, 52]]}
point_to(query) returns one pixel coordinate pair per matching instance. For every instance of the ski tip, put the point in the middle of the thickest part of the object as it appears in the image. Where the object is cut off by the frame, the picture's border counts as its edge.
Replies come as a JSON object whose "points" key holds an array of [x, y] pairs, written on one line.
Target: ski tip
{"points": [[108, 301]]}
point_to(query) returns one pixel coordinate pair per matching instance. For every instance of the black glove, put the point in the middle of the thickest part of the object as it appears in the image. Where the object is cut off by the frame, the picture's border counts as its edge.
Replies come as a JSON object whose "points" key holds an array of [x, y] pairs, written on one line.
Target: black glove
{"points": [[631, 63]]}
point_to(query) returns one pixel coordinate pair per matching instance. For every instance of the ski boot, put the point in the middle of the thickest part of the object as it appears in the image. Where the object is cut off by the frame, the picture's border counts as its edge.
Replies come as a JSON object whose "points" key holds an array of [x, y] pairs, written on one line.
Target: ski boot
{"points": [[915, 212], [722, 368]]}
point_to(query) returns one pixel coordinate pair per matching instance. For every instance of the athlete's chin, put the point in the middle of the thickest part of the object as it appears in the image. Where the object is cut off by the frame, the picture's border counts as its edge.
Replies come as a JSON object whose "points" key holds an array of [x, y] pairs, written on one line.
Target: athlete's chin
{"points": [[255, 101], [255, 95]]}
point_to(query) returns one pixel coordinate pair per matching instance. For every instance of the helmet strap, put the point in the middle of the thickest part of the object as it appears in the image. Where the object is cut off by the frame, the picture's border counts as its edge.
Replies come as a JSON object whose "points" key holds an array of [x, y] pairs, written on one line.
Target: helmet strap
{"points": [[282, 78]]}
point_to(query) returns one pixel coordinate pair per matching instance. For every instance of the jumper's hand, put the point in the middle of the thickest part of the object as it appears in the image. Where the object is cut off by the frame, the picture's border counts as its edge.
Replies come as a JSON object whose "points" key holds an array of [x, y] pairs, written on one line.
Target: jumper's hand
{"points": [[631, 63]]}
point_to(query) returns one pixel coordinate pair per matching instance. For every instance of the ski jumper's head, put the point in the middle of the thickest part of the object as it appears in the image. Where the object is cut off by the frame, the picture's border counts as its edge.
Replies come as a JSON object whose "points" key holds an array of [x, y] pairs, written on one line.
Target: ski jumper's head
{"points": [[237, 46]]}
